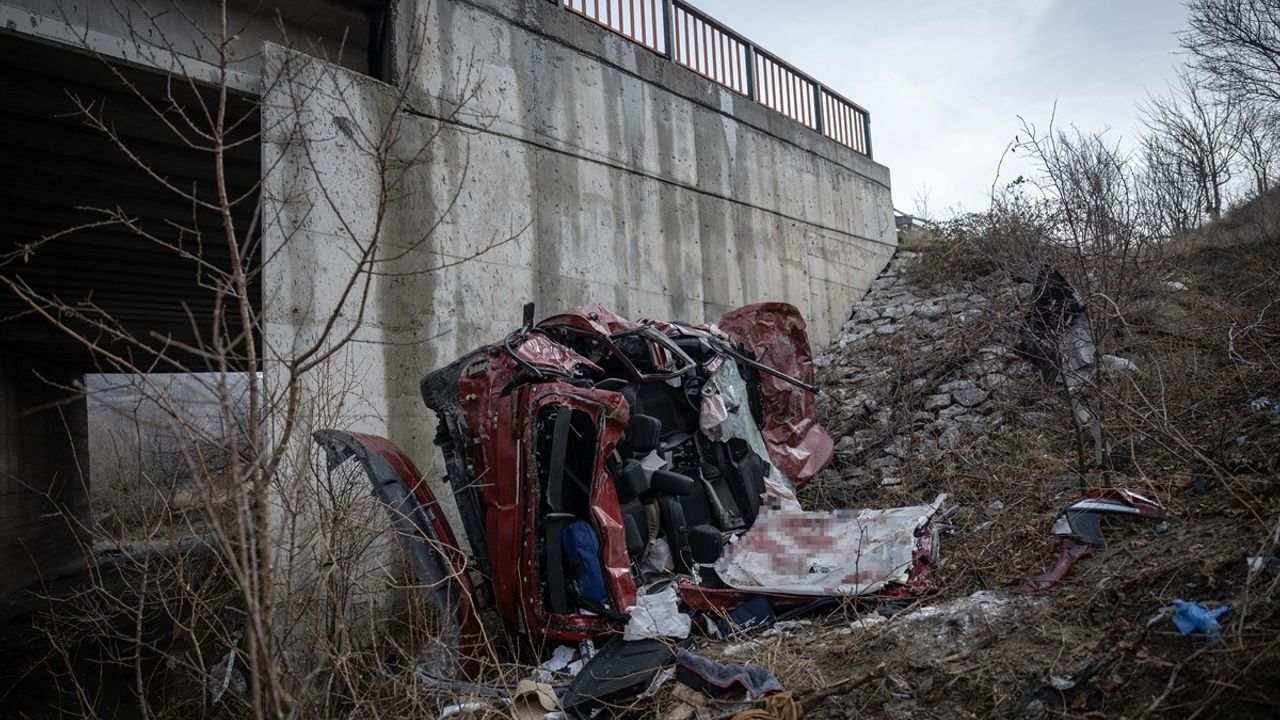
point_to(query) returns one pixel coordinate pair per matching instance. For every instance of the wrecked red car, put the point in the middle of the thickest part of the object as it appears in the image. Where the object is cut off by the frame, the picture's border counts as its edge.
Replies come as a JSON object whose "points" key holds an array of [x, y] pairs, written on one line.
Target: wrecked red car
{"points": [[592, 457]]}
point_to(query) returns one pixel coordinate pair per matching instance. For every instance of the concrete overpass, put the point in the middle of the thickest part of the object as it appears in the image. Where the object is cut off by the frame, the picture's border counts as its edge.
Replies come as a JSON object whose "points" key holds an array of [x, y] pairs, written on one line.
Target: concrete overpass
{"points": [[663, 166]]}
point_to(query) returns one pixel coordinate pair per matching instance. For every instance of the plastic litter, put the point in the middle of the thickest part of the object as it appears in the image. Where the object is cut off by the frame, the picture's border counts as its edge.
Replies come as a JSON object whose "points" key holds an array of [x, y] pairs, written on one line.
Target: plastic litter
{"points": [[657, 615], [460, 709], [559, 660], [1264, 406], [533, 699], [1258, 563], [1117, 364], [1061, 684], [1193, 617]]}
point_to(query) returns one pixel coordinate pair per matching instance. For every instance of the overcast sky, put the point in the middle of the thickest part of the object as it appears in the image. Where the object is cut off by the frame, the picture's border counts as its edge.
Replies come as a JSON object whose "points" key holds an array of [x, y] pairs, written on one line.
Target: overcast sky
{"points": [[945, 80]]}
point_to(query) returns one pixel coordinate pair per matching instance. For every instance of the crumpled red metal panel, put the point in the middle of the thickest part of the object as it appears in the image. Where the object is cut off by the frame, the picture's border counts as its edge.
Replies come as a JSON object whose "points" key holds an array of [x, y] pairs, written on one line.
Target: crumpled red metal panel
{"points": [[1079, 526], [595, 318], [776, 333], [541, 350]]}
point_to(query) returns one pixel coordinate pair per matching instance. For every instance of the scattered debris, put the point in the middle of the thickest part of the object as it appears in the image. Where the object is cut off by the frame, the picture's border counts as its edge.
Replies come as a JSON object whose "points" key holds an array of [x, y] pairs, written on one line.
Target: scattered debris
{"points": [[723, 681], [564, 661], [779, 706], [1195, 617], [1258, 563], [1080, 527], [691, 703], [533, 699], [1061, 684], [1263, 406], [657, 615], [1115, 364], [620, 672], [753, 613], [461, 709]]}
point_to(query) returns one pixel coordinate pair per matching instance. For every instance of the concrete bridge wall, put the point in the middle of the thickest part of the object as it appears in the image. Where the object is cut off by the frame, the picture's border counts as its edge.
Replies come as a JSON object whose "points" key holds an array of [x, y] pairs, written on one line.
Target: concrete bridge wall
{"points": [[625, 180]]}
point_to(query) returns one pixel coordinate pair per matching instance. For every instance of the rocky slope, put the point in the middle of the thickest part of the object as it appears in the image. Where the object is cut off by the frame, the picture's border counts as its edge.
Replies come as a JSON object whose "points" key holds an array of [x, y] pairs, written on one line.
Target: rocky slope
{"points": [[922, 367]]}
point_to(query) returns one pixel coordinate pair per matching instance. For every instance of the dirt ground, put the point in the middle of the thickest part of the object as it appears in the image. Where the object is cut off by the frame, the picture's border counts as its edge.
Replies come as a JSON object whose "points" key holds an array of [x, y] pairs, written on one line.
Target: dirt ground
{"points": [[973, 646]]}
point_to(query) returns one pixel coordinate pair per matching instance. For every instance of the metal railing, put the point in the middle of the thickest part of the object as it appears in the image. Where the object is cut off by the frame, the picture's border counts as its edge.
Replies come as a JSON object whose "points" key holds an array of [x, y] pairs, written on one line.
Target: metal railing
{"points": [[690, 37]]}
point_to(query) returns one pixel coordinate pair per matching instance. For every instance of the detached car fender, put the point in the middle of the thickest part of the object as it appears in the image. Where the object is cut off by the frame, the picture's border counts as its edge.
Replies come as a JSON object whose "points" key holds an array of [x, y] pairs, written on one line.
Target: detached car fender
{"points": [[424, 533]]}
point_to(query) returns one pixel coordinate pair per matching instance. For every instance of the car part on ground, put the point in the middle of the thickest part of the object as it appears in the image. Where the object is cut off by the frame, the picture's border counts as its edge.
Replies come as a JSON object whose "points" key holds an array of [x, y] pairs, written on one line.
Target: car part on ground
{"points": [[621, 671], [428, 541], [1080, 527]]}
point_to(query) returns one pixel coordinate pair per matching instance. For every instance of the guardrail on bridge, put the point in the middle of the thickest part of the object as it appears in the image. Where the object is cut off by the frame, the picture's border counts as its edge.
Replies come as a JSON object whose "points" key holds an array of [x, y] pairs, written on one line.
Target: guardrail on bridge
{"points": [[690, 37]]}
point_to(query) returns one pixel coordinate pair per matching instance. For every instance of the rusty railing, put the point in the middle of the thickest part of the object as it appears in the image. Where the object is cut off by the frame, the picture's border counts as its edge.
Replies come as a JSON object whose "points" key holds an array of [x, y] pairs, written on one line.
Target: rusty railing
{"points": [[690, 37]]}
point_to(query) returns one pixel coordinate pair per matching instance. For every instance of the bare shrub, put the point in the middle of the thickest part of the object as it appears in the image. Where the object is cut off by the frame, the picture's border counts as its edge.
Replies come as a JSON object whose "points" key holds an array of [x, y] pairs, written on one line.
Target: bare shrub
{"points": [[266, 587]]}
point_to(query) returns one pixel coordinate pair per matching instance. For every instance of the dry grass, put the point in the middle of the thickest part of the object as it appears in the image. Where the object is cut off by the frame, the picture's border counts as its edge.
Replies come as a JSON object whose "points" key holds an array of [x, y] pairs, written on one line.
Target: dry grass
{"points": [[1181, 431]]}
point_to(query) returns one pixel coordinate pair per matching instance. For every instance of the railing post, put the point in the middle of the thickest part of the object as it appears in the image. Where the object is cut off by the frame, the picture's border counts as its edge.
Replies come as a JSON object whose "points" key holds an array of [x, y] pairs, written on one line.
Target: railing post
{"points": [[750, 54], [669, 28], [866, 129], [817, 108]]}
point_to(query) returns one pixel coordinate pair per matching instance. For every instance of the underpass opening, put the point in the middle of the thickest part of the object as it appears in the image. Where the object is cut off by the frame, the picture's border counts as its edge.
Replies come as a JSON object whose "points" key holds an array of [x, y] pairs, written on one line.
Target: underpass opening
{"points": [[111, 254]]}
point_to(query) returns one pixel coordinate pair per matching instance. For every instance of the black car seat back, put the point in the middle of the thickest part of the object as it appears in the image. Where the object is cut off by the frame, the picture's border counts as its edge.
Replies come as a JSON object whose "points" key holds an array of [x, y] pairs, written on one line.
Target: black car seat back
{"points": [[643, 434], [752, 472], [666, 403], [636, 523], [630, 479], [676, 532], [745, 472], [705, 544]]}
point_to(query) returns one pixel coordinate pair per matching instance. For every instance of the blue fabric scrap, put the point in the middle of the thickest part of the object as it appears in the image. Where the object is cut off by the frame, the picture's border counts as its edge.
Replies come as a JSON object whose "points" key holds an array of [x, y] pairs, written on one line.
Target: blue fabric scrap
{"points": [[723, 681], [583, 549], [754, 612]]}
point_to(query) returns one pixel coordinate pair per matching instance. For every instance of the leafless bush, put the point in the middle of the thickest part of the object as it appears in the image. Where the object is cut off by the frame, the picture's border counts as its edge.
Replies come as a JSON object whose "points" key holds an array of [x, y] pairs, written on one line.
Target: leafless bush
{"points": [[276, 589], [1198, 134], [1237, 42]]}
